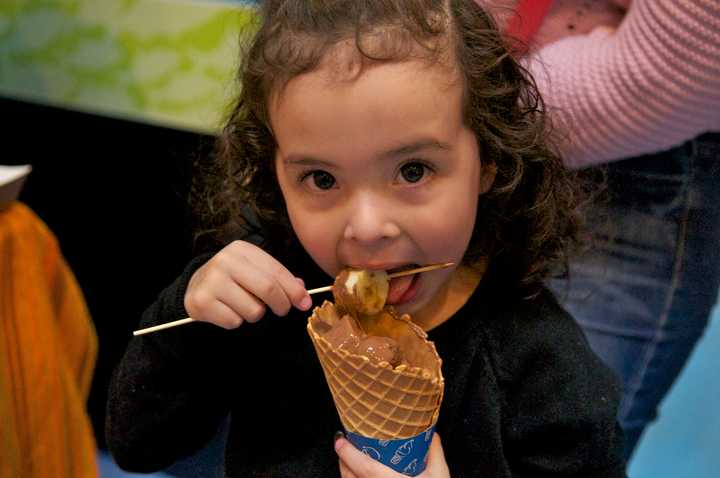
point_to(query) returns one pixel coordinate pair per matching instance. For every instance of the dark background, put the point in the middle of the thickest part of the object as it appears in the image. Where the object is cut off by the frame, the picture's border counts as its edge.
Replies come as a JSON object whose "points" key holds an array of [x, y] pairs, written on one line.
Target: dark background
{"points": [[114, 193]]}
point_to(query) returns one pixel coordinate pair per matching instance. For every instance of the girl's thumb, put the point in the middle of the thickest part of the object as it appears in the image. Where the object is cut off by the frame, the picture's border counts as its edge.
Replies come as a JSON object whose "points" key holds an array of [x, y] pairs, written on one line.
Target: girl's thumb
{"points": [[437, 466]]}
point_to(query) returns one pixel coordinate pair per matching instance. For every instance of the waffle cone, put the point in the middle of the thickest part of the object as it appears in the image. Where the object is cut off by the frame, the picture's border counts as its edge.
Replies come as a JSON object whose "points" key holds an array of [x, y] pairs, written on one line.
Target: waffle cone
{"points": [[378, 400]]}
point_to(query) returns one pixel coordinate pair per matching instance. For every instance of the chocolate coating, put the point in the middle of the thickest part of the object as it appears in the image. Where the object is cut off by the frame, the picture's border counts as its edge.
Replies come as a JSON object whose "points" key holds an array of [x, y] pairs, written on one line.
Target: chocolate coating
{"points": [[360, 291], [381, 349]]}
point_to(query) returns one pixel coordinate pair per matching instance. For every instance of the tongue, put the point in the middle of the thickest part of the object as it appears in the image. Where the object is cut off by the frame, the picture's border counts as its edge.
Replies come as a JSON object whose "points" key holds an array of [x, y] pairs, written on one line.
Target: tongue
{"points": [[398, 287]]}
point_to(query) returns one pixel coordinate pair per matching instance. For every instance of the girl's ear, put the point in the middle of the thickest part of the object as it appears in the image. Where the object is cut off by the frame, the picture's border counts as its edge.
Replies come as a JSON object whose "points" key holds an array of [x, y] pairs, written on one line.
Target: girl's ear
{"points": [[487, 177]]}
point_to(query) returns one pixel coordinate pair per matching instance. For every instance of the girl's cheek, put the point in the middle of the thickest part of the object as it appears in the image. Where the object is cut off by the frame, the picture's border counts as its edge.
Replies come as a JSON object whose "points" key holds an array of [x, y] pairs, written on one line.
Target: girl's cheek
{"points": [[320, 244]]}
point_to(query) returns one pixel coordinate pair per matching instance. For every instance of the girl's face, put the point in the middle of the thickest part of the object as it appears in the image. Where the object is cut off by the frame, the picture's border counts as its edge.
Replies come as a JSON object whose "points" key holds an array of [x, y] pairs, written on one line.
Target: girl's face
{"points": [[378, 170]]}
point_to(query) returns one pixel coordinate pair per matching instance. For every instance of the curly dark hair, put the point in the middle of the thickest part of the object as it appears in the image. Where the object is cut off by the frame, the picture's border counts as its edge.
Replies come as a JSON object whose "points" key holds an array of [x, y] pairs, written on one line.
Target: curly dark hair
{"points": [[526, 223]]}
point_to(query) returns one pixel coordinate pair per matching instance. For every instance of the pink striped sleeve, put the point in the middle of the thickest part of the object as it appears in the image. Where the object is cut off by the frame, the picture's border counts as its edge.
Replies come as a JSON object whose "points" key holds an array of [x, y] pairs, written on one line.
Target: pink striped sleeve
{"points": [[651, 84]]}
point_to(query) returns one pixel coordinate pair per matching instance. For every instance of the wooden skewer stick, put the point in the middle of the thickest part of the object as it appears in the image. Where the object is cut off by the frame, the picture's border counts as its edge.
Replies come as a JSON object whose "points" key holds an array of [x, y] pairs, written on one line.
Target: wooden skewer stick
{"points": [[166, 325], [175, 323], [408, 272]]}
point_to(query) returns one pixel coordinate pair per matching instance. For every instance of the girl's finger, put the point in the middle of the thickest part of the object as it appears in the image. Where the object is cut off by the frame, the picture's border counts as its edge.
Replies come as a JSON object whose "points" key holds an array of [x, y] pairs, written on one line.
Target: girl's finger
{"points": [[293, 288], [255, 271], [263, 286], [242, 302], [220, 314], [358, 463], [437, 466], [345, 471]]}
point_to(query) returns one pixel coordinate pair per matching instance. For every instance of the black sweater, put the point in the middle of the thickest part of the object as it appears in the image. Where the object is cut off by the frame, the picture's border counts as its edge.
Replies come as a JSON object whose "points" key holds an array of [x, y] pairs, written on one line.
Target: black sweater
{"points": [[524, 396]]}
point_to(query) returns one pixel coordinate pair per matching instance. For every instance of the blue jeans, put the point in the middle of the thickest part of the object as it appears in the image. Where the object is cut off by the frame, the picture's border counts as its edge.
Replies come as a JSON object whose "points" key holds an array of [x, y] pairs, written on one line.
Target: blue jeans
{"points": [[645, 291]]}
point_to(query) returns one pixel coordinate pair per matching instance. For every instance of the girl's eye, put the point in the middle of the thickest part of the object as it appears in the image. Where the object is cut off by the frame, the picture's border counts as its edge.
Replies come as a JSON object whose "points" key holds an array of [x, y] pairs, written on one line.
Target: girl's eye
{"points": [[321, 179], [413, 172]]}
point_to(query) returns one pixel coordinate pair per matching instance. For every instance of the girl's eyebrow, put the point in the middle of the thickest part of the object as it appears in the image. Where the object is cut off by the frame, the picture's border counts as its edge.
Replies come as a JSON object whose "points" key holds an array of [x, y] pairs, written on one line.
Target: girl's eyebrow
{"points": [[404, 150], [416, 147], [303, 160]]}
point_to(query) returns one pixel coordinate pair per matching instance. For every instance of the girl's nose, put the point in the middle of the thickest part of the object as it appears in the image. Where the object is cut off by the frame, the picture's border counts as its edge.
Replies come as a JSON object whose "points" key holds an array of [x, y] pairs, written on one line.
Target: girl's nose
{"points": [[370, 220]]}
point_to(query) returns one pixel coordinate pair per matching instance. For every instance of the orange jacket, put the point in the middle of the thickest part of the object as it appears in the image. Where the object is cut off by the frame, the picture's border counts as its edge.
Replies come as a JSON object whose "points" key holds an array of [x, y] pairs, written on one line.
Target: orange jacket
{"points": [[48, 348]]}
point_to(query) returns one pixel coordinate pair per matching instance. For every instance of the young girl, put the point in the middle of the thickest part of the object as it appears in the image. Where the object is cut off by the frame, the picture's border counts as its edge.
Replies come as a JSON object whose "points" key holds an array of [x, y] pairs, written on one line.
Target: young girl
{"points": [[375, 134]]}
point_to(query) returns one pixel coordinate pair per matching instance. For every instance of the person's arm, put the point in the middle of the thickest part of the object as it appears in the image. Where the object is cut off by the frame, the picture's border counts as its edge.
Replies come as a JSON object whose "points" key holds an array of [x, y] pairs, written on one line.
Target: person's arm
{"points": [[647, 86], [167, 396], [559, 416]]}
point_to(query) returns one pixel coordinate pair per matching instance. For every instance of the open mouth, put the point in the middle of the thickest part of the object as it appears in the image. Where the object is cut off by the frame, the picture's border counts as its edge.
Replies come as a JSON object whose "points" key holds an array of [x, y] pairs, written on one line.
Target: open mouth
{"points": [[404, 288]]}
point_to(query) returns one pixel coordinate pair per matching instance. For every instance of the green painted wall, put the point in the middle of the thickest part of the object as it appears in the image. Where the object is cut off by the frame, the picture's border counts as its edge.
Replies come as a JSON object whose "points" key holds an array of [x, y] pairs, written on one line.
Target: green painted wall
{"points": [[169, 62]]}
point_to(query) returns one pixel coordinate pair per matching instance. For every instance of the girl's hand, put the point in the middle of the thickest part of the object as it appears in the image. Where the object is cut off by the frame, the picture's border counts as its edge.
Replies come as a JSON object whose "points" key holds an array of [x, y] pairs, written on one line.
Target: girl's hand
{"points": [[354, 464], [237, 285]]}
